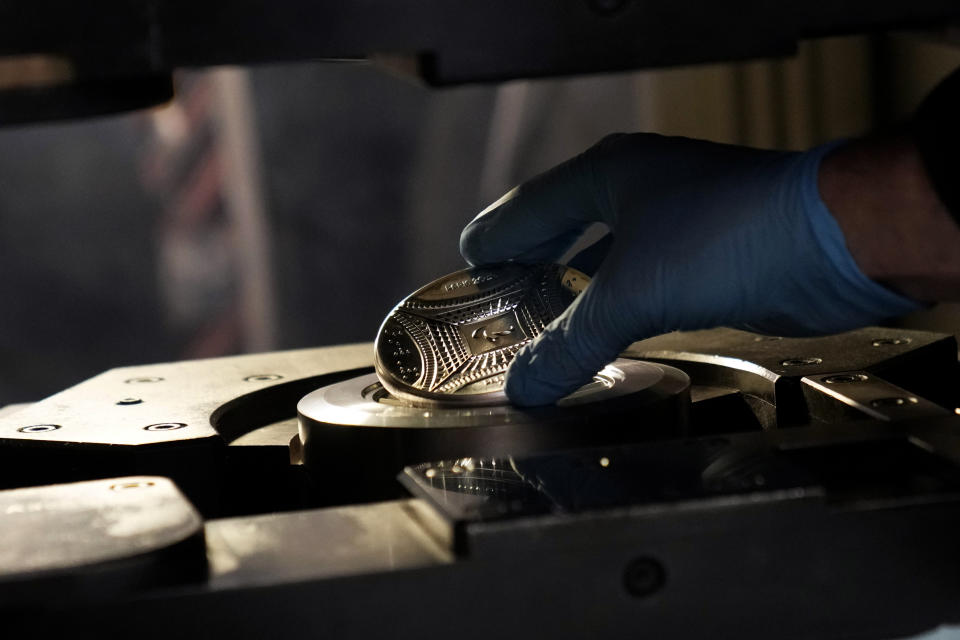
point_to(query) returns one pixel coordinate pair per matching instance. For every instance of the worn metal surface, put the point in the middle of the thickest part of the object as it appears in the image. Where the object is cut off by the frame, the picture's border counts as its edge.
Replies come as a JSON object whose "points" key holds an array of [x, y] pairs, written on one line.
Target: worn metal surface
{"points": [[275, 434], [867, 395], [869, 348], [768, 371], [233, 455], [350, 439], [9, 409], [180, 401], [92, 540], [182, 420], [362, 402], [855, 523], [854, 520], [225, 398], [322, 544]]}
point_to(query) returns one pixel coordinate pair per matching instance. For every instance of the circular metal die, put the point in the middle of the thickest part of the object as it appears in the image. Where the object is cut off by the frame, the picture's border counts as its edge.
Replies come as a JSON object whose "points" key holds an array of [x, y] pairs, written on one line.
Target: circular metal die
{"points": [[364, 402], [356, 427], [451, 341]]}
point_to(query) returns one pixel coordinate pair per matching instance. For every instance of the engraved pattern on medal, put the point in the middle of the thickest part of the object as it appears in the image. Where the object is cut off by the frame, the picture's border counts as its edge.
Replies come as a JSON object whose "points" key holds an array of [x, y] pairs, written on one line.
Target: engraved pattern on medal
{"points": [[463, 344]]}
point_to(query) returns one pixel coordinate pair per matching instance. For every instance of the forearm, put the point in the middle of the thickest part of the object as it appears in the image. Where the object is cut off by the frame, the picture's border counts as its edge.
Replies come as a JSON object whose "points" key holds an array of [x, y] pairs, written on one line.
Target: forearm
{"points": [[897, 229]]}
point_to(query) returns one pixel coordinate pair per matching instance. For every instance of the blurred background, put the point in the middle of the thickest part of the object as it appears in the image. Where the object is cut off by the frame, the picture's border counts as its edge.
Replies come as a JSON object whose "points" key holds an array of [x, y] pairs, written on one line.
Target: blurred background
{"points": [[291, 206]]}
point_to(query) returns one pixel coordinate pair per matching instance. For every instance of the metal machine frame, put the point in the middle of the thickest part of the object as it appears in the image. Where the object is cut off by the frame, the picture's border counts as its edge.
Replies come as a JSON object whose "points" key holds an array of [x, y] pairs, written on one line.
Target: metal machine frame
{"points": [[816, 493]]}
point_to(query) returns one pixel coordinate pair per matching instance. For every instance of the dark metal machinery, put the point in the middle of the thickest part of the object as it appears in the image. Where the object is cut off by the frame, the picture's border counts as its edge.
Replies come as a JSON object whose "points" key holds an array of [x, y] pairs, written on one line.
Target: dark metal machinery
{"points": [[814, 493], [813, 489], [120, 54]]}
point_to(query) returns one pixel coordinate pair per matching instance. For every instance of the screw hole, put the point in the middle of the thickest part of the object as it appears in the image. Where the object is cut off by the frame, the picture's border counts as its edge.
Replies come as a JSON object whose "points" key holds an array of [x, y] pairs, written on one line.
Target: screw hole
{"points": [[123, 486], [39, 428], [164, 426], [886, 342], [845, 378], [800, 362], [263, 377], [900, 401], [643, 577]]}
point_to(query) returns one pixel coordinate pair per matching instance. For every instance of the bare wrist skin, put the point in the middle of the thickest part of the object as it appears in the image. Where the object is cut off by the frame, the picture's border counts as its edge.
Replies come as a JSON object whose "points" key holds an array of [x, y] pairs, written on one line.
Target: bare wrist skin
{"points": [[898, 231]]}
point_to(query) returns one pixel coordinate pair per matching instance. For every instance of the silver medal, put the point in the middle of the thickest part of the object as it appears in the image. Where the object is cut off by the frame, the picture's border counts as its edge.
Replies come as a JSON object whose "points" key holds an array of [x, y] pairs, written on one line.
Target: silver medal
{"points": [[451, 341]]}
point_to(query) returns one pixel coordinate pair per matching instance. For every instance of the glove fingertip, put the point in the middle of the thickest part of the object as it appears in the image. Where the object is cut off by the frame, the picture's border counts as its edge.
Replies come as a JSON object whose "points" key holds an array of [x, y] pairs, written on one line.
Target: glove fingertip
{"points": [[532, 380], [470, 248], [527, 390], [487, 240]]}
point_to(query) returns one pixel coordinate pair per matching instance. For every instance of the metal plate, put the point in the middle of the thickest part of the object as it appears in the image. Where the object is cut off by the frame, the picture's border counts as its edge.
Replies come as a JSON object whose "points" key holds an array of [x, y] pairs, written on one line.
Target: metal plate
{"points": [[146, 405], [97, 539], [355, 432], [451, 341], [364, 402]]}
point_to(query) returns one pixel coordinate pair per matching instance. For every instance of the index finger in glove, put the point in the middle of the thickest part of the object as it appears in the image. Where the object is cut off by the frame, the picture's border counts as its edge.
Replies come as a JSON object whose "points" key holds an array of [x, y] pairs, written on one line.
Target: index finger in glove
{"points": [[539, 219], [589, 334]]}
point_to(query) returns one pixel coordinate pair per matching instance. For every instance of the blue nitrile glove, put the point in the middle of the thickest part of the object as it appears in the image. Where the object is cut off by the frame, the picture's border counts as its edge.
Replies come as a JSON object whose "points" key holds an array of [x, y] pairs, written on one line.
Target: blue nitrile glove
{"points": [[702, 235]]}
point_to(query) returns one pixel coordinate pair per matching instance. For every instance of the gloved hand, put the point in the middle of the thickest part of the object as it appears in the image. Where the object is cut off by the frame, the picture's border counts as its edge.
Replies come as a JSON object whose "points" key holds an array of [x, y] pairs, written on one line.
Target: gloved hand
{"points": [[701, 235]]}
